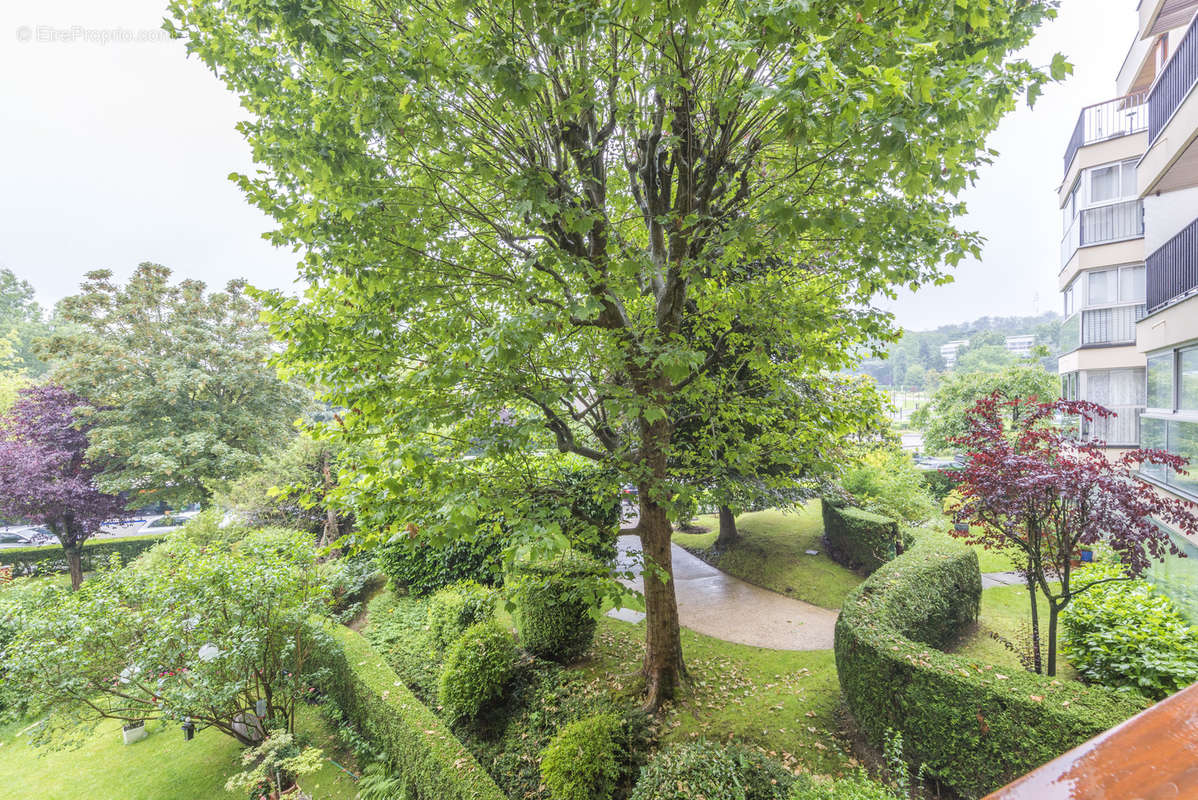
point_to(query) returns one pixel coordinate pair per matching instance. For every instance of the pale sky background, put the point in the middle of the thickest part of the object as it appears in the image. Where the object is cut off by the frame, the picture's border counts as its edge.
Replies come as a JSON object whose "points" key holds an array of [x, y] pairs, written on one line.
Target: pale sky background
{"points": [[114, 153]]}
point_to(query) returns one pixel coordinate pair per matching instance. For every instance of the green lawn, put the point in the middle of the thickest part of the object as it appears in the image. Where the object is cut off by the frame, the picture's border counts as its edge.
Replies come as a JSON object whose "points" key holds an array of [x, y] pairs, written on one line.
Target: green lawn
{"points": [[772, 554], [1005, 613], [988, 560], [782, 700], [160, 767]]}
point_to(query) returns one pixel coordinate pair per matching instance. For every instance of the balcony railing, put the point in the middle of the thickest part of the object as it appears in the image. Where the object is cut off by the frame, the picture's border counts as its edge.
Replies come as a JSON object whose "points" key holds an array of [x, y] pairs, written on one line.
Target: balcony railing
{"points": [[1172, 271], [1151, 755], [1121, 429], [1173, 84], [1111, 223], [1122, 116]]}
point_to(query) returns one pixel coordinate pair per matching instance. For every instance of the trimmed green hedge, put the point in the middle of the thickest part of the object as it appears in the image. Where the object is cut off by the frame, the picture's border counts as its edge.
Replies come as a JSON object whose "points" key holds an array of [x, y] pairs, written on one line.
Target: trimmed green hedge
{"points": [[971, 726], [860, 539], [433, 762], [51, 558]]}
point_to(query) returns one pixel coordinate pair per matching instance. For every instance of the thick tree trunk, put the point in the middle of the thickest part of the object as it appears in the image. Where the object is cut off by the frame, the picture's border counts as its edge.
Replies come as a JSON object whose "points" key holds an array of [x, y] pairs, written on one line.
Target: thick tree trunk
{"points": [[664, 669], [75, 565], [1053, 612], [728, 533]]}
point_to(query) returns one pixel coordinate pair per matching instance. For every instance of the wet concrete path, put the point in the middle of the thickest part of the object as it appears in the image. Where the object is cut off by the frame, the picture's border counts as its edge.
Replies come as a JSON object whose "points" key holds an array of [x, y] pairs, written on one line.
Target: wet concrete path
{"points": [[719, 605]]}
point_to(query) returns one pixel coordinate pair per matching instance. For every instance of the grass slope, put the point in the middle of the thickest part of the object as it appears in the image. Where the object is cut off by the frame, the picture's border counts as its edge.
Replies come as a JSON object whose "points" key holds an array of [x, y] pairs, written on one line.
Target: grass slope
{"points": [[1005, 613], [772, 554], [160, 767]]}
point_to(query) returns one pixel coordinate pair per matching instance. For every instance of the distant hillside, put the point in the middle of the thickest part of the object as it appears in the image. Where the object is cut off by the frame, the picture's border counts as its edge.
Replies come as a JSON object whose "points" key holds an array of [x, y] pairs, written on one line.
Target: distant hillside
{"points": [[910, 360]]}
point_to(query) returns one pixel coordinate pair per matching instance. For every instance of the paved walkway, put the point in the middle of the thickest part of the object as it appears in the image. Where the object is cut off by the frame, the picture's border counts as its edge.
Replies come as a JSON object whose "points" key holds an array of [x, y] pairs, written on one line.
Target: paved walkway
{"points": [[719, 605], [992, 579]]}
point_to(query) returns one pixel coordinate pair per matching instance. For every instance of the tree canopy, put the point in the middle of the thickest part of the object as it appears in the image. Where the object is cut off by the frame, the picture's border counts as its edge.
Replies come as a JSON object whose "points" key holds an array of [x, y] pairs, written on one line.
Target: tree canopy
{"points": [[532, 224], [184, 398]]}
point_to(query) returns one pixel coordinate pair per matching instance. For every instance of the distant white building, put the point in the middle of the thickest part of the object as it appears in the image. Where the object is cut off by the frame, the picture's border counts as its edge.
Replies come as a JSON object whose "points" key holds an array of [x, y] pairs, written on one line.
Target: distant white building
{"points": [[949, 351], [1021, 345]]}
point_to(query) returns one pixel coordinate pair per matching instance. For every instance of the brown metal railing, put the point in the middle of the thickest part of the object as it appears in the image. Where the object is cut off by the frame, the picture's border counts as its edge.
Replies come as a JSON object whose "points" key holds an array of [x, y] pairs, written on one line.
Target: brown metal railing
{"points": [[1172, 269], [1108, 120], [1154, 754]]}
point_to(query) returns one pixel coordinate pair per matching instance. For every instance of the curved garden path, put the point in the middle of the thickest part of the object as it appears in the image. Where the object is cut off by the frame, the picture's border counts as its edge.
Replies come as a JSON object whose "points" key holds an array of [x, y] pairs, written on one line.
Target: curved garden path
{"points": [[719, 605]]}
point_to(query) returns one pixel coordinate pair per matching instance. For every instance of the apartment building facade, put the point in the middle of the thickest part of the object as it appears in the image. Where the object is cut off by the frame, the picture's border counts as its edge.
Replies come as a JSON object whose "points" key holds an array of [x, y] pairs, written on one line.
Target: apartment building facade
{"points": [[1129, 199]]}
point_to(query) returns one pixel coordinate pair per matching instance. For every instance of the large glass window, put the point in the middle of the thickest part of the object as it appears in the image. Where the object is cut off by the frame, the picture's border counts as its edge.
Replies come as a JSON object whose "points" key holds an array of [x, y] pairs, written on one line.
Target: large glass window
{"points": [[1153, 435], [1071, 298], [1131, 285], [1101, 289], [1187, 381], [1183, 441], [1104, 183], [1160, 381]]}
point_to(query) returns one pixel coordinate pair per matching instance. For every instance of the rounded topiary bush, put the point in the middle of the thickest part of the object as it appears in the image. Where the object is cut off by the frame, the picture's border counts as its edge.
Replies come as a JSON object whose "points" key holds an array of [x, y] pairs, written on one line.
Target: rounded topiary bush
{"points": [[477, 668], [556, 605], [685, 772], [455, 608], [581, 762]]}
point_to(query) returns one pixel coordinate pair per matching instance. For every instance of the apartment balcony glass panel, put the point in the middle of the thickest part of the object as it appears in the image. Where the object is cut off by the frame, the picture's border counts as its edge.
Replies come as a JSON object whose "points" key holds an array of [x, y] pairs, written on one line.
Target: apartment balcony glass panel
{"points": [[1183, 441], [1154, 435], [1173, 84], [1111, 223], [1187, 380], [1160, 381], [1111, 325], [1173, 269], [1121, 391], [1071, 333]]}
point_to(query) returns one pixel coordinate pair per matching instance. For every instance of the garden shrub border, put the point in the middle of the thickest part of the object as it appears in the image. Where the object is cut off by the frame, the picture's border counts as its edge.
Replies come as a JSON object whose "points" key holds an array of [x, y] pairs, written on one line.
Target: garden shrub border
{"points": [[970, 726], [29, 560], [860, 539], [426, 753]]}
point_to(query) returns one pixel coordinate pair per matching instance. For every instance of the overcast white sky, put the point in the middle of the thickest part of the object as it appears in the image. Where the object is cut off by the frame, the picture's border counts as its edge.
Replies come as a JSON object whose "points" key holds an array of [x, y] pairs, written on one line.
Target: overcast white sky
{"points": [[114, 153]]}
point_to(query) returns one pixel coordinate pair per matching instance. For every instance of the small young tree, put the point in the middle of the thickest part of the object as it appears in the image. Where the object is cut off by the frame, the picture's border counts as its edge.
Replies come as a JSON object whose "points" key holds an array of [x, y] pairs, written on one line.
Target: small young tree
{"points": [[45, 477], [1030, 487], [200, 632]]}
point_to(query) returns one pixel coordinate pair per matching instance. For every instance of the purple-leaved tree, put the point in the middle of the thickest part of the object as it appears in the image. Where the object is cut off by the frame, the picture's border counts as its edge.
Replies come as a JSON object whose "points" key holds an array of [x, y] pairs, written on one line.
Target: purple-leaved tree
{"points": [[1031, 487], [45, 478]]}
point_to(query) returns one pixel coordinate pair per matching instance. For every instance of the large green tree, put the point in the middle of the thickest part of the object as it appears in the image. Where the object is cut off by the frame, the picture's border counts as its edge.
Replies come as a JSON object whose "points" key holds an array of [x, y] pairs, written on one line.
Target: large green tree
{"points": [[944, 419], [185, 400], [22, 324], [557, 211]]}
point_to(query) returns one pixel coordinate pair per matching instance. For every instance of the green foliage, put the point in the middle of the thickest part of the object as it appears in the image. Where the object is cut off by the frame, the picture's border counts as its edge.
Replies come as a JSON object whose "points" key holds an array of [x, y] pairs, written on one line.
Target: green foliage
{"points": [[185, 398], [557, 604], [581, 762], [10, 384], [1127, 636], [940, 483], [764, 778], [350, 579], [50, 558], [970, 726], [854, 787], [22, 327], [422, 567], [477, 668], [279, 756], [887, 482], [943, 419], [688, 771], [379, 781], [860, 539], [455, 608], [203, 633], [427, 756]]}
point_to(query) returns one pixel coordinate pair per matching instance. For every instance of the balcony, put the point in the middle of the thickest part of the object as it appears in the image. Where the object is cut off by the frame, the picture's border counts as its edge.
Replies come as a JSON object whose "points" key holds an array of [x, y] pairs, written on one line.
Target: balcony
{"points": [[1102, 225], [1172, 272], [1174, 83], [1122, 116]]}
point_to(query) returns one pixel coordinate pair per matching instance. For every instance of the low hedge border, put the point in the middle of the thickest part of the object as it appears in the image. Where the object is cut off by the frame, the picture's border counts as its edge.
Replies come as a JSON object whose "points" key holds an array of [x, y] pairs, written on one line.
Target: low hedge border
{"points": [[51, 558], [972, 727], [370, 694], [860, 539]]}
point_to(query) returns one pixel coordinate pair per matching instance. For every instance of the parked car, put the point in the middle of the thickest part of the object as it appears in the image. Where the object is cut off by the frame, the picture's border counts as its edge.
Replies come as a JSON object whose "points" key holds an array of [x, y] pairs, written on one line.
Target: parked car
{"points": [[167, 522], [25, 536]]}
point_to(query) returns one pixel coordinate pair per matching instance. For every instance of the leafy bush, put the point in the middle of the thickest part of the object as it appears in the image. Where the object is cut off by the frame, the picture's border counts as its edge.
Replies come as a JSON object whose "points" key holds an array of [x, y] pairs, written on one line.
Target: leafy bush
{"points": [[431, 761], [580, 763], [556, 602], [887, 482], [969, 725], [51, 558], [941, 482], [350, 580], [455, 608], [476, 670], [689, 771], [1126, 636], [422, 567], [764, 778], [585, 501], [861, 539], [856, 787]]}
